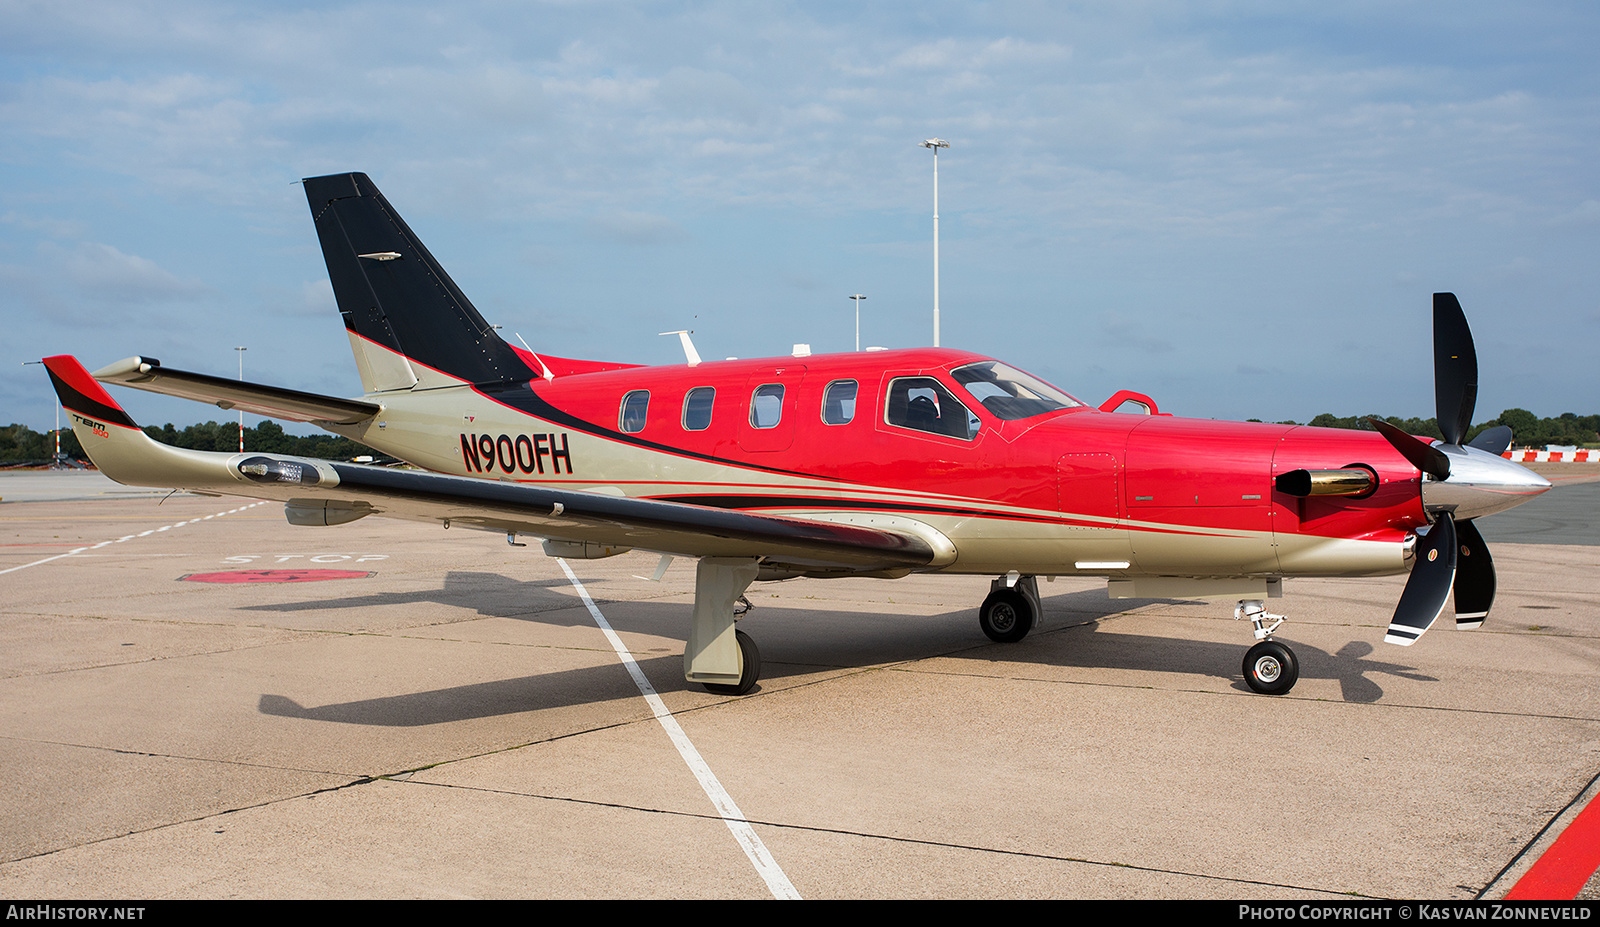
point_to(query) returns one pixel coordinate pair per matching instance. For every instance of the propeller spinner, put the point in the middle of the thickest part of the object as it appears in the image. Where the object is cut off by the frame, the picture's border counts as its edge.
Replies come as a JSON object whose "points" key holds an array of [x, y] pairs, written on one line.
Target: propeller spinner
{"points": [[1460, 482]]}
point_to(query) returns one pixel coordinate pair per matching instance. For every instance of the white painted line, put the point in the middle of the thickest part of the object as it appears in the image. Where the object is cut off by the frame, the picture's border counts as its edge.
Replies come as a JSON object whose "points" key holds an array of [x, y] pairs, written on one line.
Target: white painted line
{"points": [[45, 560], [766, 866], [125, 538]]}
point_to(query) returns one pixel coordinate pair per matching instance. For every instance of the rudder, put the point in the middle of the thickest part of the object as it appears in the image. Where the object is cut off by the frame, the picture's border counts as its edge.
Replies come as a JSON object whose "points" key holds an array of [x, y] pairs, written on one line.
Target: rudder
{"points": [[408, 322]]}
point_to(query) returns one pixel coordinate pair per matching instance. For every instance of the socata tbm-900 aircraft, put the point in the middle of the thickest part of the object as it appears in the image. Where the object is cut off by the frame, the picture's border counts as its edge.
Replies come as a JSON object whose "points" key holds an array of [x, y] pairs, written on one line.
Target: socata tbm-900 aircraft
{"points": [[879, 464]]}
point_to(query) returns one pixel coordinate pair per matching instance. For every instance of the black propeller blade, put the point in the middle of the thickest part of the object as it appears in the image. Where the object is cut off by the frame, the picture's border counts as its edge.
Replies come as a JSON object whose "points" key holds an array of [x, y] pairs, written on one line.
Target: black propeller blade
{"points": [[1474, 586], [1494, 440], [1424, 457], [1455, 368], [1433, 572]]}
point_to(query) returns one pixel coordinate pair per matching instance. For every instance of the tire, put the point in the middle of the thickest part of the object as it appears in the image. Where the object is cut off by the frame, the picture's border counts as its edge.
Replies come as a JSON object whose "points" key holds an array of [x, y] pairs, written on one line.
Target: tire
{"points": [[1271, 668], [749, 668], [1006, 616]]}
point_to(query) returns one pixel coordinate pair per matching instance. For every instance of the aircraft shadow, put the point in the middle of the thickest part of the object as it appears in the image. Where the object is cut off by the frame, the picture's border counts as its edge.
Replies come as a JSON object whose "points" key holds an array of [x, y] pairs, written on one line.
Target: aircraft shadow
{"points": [[490, 595], [1079, 630], [1095, 642], [1076, 633], [587, 686]]}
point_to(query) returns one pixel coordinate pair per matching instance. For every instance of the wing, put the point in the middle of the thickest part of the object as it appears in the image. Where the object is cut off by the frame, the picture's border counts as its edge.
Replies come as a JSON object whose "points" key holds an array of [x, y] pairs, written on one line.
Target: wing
{"points": [[323, 492], [272, 401]]}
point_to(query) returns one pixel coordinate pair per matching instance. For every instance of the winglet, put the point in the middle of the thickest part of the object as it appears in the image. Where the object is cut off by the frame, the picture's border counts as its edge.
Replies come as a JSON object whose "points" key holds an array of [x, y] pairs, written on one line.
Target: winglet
{"points": [[114, 441], [81, 393]]}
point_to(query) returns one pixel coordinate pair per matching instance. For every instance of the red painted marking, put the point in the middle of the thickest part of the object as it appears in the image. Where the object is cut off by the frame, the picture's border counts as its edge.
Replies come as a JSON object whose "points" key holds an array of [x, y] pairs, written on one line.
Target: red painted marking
{"points": [[71, 371], [1563, 870], [273, 576]]}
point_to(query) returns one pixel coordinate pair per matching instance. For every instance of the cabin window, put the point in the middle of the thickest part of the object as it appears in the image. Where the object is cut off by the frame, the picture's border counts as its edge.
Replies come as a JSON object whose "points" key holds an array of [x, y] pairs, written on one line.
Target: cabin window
{"points": [[924, 404], [766, 405], [839, 402], [1008, 393], [697, 408], [634, 407]]}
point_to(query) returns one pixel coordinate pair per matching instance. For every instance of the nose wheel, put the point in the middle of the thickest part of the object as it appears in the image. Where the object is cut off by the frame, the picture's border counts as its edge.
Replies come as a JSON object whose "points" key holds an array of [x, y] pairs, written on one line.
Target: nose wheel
{"points": [[1270, 668]]}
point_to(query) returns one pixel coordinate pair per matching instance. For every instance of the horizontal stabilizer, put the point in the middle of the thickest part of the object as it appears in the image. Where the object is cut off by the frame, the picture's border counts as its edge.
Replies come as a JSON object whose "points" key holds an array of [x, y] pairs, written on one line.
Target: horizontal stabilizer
{"points": [[236, 395]]}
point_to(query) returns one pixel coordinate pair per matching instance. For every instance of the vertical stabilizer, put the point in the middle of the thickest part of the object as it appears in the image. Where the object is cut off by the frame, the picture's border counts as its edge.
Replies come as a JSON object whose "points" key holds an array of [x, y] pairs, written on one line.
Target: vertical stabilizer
{"points": [[409, 325]]}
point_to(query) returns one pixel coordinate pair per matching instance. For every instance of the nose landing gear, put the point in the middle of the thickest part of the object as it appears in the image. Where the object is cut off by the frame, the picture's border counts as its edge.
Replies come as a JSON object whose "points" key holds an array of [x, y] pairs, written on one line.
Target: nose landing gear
{"points": [[1269, 667]]}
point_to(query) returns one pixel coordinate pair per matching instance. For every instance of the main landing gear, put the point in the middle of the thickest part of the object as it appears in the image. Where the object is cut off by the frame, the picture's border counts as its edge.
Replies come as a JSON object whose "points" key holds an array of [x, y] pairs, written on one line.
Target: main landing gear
{"points": [[1269, 667], [724, 660], [749, 667], [1011, 610]]}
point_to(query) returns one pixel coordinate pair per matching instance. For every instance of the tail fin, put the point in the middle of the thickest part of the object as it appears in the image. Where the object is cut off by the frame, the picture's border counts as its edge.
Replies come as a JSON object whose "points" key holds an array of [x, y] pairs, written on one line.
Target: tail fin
{"points": [[409, 325]]}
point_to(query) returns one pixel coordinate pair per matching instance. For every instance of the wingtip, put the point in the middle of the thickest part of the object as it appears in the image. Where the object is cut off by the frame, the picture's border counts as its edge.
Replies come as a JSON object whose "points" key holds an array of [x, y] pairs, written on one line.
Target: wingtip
{"points": [[80, 392]]}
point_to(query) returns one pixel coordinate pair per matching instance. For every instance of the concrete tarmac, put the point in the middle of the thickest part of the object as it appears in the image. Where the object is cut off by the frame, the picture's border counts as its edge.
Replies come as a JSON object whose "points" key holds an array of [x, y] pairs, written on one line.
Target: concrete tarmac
{"points": [[449, 721]]}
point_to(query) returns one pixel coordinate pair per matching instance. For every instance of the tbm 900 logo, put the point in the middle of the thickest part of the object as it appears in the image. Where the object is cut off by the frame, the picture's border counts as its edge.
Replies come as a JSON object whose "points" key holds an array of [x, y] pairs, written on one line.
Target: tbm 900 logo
{"points": [[523, 453]]}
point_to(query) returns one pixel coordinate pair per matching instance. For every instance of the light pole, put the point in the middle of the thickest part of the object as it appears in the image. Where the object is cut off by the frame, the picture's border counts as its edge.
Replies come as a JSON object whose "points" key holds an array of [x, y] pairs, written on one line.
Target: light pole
{"points": [[935, 144], [241, 411], [858, 298], [55, 461]]}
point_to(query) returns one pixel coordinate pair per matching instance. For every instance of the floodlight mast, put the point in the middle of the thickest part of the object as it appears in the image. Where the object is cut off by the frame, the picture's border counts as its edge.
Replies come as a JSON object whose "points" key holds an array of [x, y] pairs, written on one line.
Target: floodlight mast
{"points": [[858, 298], [55, 461], [241, 411], [935, 144]]}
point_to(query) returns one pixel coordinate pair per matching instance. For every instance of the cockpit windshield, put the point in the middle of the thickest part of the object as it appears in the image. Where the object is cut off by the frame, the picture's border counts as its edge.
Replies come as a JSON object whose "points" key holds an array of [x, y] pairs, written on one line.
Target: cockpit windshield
{"points": [[1008, 393]]}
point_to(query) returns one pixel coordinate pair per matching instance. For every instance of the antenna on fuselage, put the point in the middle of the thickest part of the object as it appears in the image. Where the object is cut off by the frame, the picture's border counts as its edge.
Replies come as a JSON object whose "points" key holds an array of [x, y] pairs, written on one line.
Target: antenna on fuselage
{"points": [[689, 353], [542, 368]]}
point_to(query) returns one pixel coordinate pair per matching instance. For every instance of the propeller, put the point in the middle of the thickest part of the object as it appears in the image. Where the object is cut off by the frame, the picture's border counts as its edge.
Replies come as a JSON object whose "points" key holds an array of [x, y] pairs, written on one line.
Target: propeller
{"points": [[1451, 555]]}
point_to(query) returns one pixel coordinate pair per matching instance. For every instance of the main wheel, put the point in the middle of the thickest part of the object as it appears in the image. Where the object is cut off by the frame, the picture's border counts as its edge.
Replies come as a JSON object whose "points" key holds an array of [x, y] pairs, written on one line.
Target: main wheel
{"points": [[749, 668], [1006, 616], [1271, 668]]}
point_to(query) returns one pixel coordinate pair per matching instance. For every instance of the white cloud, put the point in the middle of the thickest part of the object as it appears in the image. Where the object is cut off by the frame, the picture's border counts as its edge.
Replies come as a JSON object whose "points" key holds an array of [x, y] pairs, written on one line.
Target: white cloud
{"points": [[102, 272], [637, 228], [1112, 151]]}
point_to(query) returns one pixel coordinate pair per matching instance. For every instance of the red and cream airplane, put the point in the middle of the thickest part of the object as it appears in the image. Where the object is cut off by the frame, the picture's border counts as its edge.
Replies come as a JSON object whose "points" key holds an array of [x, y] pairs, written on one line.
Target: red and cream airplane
{"points": [[880, 463]]}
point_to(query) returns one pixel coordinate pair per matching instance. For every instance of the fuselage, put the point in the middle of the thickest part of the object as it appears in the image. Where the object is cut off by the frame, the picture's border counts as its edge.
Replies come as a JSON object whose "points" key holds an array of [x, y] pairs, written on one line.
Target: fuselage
{"points": [[1069, 490]]}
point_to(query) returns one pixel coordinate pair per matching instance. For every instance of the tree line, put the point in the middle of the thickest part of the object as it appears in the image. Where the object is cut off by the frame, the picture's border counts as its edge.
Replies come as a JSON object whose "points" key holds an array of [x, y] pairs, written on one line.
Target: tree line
{"points": [[20, 444], [1527, 429]]}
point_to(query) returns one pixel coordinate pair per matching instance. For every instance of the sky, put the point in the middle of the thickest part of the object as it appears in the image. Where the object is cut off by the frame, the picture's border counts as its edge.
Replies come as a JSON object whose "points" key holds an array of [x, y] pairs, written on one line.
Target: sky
{"points": [[1240, 209]]}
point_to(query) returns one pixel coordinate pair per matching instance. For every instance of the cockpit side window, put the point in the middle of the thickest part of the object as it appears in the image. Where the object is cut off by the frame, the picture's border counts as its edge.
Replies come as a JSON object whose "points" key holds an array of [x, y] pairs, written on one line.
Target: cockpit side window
{"points": [[1008, 393], [924, 404]]}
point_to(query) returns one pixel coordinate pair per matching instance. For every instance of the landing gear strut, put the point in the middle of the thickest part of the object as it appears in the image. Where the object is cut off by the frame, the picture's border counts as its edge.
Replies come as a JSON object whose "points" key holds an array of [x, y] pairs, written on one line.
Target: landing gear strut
{"points": [[1269, 667], [724, 660]]}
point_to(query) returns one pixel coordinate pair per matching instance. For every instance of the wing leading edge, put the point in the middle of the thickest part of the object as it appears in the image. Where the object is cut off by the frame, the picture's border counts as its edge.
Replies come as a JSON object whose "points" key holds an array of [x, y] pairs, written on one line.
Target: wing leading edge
{"points": [[348, 491]]}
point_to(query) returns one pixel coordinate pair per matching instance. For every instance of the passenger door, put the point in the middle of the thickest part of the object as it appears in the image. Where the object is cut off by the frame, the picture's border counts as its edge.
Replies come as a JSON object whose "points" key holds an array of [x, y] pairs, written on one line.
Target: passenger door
{"points": [[769, 408]]}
